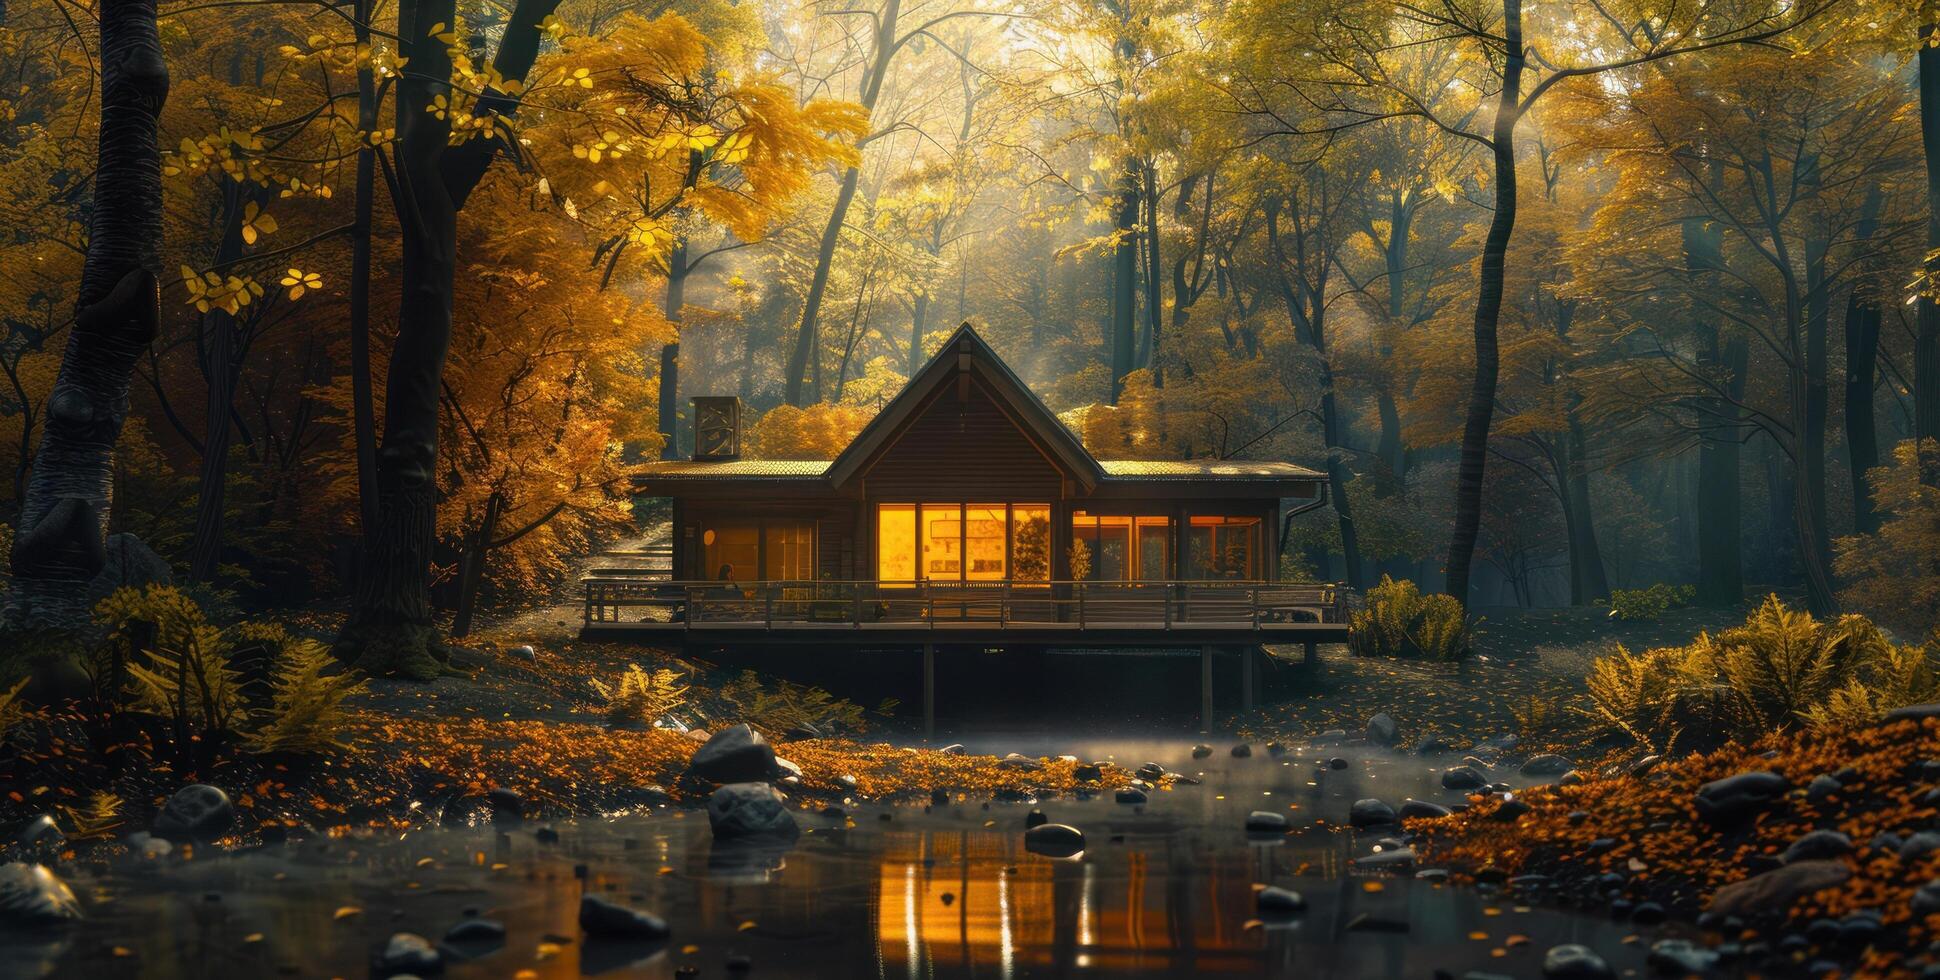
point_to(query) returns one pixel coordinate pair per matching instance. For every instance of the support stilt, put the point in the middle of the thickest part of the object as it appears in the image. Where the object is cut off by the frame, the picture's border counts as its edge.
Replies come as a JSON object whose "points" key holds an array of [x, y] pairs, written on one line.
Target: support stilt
{"points": [[1205, 690], [1313, 653], [929, 691]]}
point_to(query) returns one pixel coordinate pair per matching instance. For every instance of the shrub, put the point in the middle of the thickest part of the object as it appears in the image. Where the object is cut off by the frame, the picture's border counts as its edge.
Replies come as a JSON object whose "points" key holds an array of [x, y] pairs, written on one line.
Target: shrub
{"points": [[1891, 572], [1650, 603], [191, 682], [790, 706], [1399, 621], [1778, 670], [306, 713], [640, 696]]}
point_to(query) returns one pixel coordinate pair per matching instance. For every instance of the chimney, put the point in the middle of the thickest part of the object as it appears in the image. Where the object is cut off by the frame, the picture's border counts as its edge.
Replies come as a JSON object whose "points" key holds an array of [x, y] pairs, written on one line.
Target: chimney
{"points": [[717, 427]]}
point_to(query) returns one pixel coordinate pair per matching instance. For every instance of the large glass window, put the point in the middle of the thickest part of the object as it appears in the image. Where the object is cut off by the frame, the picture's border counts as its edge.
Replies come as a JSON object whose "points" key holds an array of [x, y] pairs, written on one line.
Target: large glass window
{"points": [[1114, 548], [896, 543], [963, 542], [1223, 548], [732, 551], [749, 551], [788, 551]]}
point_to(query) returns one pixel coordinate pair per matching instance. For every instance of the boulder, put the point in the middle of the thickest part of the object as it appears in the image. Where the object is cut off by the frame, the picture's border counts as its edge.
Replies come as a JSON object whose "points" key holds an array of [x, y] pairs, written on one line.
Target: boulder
{"points": [[41, 830], [1381, 730], [1926, 900], [1130, 796], [1547, 764], [750, 810], [1817, 845], [1680, 958], [1201, 751], [1242, 751], [197, 812], [1773, 892], [408, 954], [1266, 822], [477, 931], [1274, 900], [1572, 961], [1421, 809], [1336, 763], [1054, 840], [1730, 801], [1463, 778], [735, 754], [610, 920], [1370, 813], [31, 895]]}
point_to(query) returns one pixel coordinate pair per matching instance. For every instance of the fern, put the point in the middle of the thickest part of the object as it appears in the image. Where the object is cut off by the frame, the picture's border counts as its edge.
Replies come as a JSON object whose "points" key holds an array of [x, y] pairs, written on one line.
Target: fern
{"points": [[1399, 621], [98, 817], [790, 706], [192, 683], [306, 713], [640, 696], [11, 710]]}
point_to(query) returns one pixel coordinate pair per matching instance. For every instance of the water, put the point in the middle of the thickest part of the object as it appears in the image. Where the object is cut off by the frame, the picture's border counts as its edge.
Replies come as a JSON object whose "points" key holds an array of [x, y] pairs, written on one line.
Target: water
{"points": [[1163, 891]]}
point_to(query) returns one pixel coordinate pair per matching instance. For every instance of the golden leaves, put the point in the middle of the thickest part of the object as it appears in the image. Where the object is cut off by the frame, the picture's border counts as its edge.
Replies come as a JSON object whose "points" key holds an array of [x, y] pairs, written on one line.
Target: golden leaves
{"points": [[213, 291], [256, 223]]}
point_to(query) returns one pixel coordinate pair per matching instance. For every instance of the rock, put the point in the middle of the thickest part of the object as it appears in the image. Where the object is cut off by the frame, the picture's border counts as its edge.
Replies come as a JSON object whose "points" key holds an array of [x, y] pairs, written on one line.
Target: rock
{"points": [[1054, 840], [803, 731], [1510, 811], [1242, 751], [1381, 730], [41, 830], [147, 845], [1088, 772], [197, 812], [785, 769], [1022, 763], [1642, 767], [1548, 764], [1680, 957], [952, 749], [1926, 900], [1774, 891], [1151, 772], [1433, 746], [1822, 787], [506, 804], [1370, 813], [1266, 822], [750, 810], [1571, 961], [1395, 858], [546, 835], [1464, 778], [1337, 763], [408, 954], [1274, 900], [1817, 845], [609, 920], [697, 735], [476, 931], [1432, 874], [1332, 736], [524, 652], [1915, 712], [1730, 801], [32, 895], [1130, 796], [1035, 818], [1201, 751], [1918, 846], [130, 564], [1571, 778], [735, 754], [1421, 809], [1648, 914], [1275, 749]]}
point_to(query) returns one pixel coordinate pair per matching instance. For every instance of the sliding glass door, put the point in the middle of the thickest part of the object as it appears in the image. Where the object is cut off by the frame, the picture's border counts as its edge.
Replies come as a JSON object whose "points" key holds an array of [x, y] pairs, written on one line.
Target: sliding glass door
{"points": [[963, 542]]}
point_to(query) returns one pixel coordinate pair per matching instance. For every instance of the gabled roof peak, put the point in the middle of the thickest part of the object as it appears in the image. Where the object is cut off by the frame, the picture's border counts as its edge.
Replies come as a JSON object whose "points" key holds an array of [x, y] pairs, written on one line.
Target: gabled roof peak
{"points": [[966, 352]]}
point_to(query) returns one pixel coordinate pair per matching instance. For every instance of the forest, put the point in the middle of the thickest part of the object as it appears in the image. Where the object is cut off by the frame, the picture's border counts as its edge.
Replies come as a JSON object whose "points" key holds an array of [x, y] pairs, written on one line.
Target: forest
{"points": [[340, 336]]}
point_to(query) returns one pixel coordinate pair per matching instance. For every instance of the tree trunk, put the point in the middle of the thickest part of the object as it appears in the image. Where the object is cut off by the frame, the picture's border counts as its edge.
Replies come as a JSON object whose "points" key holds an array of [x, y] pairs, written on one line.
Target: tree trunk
{"points": [[919, 311], [807, 337], [1926, 345], [1488, 310], [62, 537], [1124, 281], [1154, 293], [1818, 315], [1862, 358], [1395, 257], [471, 569], [390, 631], [1588, 583], [363, 403], [670, 353]]}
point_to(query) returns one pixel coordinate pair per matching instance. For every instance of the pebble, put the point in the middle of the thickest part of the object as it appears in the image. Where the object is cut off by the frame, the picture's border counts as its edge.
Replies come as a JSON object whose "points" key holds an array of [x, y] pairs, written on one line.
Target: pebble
{"points": [[1463, 777], [609, 920], [1242, 751], [1816, 845], [409, 953], [476, 931], [197, 812], [1054, 840], [1274, 900], [32, 895], [1266, 822], [1572, 961], [1366, 813]]}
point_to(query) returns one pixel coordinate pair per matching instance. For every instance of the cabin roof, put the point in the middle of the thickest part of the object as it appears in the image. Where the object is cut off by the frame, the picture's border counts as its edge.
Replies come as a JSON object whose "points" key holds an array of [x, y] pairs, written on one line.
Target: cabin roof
{"points": [[967, 355], [1140, 470]]}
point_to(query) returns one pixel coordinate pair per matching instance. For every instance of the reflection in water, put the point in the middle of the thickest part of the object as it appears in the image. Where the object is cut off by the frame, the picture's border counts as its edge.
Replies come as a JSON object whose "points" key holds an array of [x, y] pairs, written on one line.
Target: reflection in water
{"points": [[1164, 890]]}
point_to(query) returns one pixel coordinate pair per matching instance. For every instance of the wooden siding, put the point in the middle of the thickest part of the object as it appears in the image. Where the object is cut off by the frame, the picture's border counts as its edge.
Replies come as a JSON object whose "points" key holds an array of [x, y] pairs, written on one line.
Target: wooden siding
{"points": [[963, 447]]}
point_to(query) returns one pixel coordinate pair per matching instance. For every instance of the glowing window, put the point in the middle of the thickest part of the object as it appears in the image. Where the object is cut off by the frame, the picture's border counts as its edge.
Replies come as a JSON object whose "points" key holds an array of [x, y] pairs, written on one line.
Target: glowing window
{"points": [[1223, 548], [896, 543]]}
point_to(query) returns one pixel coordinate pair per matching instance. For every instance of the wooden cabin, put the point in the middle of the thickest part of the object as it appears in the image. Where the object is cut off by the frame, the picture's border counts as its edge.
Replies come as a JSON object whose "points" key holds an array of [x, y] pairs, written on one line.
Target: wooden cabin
{"points": [[966, 504]]}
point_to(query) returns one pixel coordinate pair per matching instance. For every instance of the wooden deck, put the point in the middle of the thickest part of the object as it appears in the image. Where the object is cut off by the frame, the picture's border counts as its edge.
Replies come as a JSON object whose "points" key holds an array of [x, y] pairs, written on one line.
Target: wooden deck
{"points": [[638, 604]]}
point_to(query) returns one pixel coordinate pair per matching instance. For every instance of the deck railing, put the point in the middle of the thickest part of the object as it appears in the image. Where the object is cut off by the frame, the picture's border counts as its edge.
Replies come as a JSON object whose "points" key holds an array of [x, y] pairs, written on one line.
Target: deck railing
{"points": [[622, 597]]}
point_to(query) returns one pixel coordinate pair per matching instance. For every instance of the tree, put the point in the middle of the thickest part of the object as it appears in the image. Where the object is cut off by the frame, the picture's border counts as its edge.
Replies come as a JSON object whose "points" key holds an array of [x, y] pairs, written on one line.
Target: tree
{"points": [[61, 541]]}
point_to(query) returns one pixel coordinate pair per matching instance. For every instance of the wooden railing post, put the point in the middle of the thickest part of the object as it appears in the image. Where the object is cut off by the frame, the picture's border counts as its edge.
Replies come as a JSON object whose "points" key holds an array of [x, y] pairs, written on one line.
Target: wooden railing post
{"points": [[1081, 604]]}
